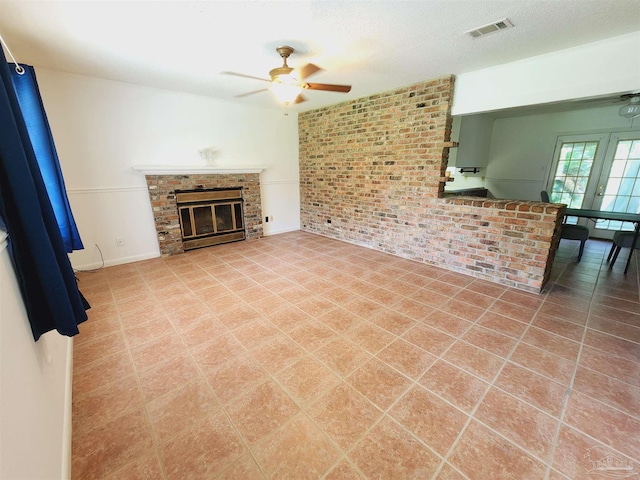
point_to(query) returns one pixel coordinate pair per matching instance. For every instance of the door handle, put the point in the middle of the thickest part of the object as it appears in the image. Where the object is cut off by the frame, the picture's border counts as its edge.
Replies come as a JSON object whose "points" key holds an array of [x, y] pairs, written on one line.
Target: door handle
{"points": [[599, 194]]}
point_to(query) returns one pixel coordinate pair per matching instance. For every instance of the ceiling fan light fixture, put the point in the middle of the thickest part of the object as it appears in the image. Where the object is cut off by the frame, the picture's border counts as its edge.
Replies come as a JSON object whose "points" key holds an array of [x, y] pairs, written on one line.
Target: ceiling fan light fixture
{"points": [[632, 110], [286, 88]]}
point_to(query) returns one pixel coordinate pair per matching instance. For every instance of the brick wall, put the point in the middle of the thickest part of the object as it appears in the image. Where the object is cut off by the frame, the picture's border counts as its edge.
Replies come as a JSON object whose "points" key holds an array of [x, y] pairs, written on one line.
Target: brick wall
{"points": [[370, 174], [165, 211]]}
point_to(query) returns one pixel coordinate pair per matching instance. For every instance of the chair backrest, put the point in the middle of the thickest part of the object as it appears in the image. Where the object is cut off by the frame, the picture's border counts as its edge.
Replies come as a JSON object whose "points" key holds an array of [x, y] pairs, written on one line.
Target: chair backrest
{"points": [[544, 196]]}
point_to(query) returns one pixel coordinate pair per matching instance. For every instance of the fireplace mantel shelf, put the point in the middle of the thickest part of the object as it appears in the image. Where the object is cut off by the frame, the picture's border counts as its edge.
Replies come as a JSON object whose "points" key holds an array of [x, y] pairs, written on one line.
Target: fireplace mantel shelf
{"points": [[193, 169]]}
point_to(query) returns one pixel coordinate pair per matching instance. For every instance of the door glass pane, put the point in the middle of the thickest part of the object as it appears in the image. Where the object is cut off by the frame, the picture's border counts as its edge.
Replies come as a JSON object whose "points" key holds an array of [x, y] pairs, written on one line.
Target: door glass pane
{"points": [[622, 192], [590, 151], [572, 175], [632, 168], [622, 150]]}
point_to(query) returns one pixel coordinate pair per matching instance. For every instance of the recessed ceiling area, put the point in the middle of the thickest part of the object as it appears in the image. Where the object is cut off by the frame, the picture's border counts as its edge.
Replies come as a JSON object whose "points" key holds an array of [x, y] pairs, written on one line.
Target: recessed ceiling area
{"points": [[616, 101], [374, 46]]}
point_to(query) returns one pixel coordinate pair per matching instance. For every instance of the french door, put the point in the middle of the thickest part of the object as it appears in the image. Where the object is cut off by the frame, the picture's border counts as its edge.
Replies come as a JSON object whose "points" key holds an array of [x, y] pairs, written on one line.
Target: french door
{"points": [[599, 172]]}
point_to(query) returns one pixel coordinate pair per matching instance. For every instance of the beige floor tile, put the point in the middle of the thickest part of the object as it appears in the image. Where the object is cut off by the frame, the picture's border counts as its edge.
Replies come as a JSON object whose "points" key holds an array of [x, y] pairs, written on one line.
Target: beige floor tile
{"points": [[244, 468], [474, 360], [579, 456], [612, 427], [480, 453], [146, 467], [524, 425], [180, 409], [202, 451], [289, 350], [431, 419], [388, 452], [454, 385], [299, 450], [344, 414], [261, 411], [381, 384], [102, 370], [103, 450], [539, 391], [344, 471], [342, 356], [447, 322], [406, 358], [167, 376], [111, 400], [306, 379]]}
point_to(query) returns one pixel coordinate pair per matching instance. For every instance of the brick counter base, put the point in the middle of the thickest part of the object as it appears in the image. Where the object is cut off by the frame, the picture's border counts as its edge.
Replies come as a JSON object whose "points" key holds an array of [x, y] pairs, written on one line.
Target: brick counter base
{"points": [[165, 211], [510, 242]]}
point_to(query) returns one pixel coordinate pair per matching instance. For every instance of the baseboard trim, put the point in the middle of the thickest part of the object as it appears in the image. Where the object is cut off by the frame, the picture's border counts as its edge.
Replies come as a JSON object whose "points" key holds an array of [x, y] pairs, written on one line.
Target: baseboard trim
{"points": [[284, 230], [67, 426], [117, 261]]}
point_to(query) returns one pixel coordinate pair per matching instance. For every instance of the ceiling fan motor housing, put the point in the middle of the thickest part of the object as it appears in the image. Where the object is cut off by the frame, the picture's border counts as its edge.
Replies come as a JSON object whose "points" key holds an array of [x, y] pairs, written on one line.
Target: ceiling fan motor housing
{"points": [[284, 52]]}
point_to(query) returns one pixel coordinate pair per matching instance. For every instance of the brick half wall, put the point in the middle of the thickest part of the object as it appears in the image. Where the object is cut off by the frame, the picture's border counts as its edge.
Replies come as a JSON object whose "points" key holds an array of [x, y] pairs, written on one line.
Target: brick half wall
{"points": [[370, 174], [165, 210], [510, 242]]}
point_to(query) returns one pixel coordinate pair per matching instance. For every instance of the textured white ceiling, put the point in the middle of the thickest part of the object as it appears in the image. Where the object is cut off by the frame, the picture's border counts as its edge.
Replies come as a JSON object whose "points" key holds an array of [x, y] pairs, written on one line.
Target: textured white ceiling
{"points": [[372, 45]]}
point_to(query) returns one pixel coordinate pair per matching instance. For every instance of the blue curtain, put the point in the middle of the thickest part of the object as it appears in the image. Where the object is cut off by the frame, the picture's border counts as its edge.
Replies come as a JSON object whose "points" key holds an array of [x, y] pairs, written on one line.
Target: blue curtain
{"points": [[26, 87], [45, 276]]}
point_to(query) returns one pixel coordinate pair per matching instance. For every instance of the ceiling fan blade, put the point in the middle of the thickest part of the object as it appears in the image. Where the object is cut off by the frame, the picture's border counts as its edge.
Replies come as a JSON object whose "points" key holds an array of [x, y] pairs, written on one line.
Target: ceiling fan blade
{"points": [[329, 87], [245, 76], [250, 93], [308, 70], [299, 99]]}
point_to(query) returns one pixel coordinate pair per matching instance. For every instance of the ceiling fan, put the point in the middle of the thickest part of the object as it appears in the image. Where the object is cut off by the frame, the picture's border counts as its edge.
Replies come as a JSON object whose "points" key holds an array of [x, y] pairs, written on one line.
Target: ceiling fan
{"points": [[288, 83], [632, 109]]}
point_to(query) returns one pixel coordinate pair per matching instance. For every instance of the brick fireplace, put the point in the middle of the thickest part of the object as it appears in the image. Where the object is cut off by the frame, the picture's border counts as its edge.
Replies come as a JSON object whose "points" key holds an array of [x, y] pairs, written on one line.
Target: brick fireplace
{"points": [[162, 193]]}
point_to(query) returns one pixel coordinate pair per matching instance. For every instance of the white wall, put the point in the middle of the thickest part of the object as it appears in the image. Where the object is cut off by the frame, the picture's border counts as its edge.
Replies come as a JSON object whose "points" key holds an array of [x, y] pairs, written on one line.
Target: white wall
{"points": [[473, 133], [102, 128], [35, 393], [601, 68], [522, 147]]}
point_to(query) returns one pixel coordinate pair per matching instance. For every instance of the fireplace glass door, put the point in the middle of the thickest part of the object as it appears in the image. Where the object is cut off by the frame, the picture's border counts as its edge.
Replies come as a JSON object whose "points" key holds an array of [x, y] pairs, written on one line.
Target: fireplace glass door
{"points": [[213, 218], [210, 217], [203, 220]]}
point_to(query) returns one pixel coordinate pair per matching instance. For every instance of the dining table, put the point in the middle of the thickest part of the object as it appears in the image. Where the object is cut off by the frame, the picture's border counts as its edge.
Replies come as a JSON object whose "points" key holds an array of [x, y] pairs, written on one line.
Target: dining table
{"points": [[605, 215]]}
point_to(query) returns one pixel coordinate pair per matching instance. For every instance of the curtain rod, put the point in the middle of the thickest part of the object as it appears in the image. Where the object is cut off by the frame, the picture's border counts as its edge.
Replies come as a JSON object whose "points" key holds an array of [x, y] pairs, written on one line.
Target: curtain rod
{"points": [[19, 69]]}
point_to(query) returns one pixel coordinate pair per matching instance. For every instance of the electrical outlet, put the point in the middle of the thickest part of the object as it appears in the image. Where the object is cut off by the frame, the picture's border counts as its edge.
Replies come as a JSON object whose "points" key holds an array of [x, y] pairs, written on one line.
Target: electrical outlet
{"points": [[271, 218], [266, 219], [119, 241]]}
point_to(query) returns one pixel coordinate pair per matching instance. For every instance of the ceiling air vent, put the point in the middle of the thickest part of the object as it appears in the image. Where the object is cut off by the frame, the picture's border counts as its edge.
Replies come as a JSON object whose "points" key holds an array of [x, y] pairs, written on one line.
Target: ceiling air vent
{"points": [[490, 28]]}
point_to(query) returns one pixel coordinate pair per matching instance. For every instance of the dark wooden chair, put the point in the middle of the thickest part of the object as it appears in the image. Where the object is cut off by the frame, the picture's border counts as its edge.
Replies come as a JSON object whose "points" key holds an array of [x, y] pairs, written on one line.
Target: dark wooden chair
{"points": [[571, 232], [620, 240]]}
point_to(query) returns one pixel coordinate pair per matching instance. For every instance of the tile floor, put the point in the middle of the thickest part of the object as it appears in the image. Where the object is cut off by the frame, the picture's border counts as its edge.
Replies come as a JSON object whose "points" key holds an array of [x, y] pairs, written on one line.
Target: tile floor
{"points": [[298, 357]]}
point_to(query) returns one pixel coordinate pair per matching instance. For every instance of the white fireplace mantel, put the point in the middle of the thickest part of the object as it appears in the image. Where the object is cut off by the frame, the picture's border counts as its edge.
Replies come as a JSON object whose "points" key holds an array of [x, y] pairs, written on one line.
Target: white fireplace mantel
{"points": [[194, 169]]}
